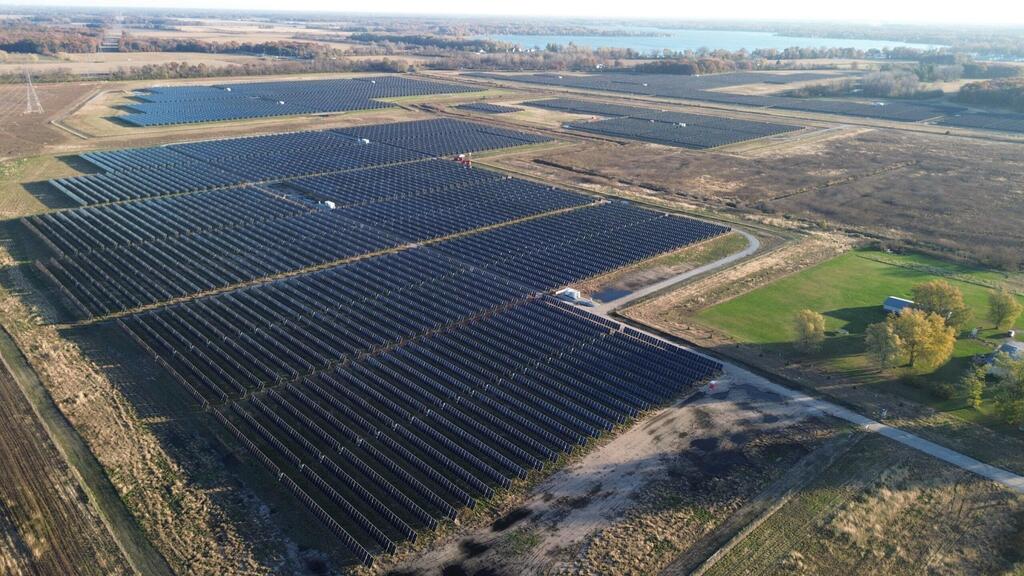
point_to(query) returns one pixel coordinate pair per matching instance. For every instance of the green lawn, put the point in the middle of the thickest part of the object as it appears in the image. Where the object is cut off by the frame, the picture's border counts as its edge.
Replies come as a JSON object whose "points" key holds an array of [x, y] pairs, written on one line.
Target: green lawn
{"points": [[849, 290]]}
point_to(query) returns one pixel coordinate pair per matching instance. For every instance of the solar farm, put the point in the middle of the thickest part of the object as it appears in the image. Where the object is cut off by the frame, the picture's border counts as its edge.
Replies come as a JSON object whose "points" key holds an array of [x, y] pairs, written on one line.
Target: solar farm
{"points": [[986, 121], [163, 106], [372, 322], [697, 131], [706, 88]]}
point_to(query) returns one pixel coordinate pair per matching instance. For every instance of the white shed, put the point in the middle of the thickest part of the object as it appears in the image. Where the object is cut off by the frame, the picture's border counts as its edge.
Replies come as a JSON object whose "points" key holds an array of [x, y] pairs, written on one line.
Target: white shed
{"points": [[896, 305]]}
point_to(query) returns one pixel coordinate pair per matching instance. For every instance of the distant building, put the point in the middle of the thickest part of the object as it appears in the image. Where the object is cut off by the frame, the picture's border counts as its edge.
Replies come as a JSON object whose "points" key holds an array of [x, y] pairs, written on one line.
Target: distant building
{"points": [[896, 305]]}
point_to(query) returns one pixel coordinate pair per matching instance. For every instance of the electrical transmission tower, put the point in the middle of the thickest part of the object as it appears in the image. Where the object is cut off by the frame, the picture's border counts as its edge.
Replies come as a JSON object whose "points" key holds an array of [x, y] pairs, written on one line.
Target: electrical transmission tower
{"points": [[32, 104]]}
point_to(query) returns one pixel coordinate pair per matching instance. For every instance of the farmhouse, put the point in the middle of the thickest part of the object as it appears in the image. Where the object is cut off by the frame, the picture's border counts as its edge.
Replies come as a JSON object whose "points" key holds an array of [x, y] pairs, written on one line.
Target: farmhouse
{"points": [[896, 305], [1011, 349]]}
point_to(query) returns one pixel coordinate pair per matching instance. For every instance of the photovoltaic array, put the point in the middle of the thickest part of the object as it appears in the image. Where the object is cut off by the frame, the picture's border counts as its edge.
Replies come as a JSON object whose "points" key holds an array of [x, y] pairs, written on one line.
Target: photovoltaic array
{"points": [[179, 168], [385, 383], [488, 108], [705, 88], [162, 106], [986, 121], [696, 131]]}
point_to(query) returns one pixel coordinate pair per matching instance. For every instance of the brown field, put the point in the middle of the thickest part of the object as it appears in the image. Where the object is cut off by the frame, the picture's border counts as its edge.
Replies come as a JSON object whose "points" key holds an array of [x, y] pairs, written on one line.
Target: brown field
{"points": [[23, 134], [103, 62], [884, 509], [46, 524]]}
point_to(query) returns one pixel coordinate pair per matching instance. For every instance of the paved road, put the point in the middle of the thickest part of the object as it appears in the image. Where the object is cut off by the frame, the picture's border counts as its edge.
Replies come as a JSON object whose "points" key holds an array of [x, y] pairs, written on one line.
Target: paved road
{"points": [[1009, 479], [753, 245]]}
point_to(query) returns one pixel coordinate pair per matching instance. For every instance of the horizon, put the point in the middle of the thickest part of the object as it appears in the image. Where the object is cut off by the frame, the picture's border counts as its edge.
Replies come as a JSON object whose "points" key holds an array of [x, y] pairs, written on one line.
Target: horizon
{"points": [[915, 14]]}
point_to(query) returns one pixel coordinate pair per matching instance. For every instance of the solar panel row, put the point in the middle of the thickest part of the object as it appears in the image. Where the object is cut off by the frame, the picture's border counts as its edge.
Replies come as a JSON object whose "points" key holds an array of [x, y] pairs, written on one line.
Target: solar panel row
{"points": [[702, 88], [126, 275], [546, 253], [162, 106], [488, 108], [148, 172], [987, 121], [406, 386]]}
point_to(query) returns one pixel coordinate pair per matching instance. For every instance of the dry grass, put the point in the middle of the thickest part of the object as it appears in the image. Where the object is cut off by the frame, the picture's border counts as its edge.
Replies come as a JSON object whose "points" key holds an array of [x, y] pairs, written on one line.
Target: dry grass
{"points": [[885, 509]]}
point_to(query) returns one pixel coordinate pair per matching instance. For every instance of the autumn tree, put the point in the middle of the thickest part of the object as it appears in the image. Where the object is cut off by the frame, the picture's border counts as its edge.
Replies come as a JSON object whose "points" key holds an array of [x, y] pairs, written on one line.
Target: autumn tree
{"points": [[1003, 308], [919, 339], [973, 385], [810, 330], [884, 344], [943, 299]]}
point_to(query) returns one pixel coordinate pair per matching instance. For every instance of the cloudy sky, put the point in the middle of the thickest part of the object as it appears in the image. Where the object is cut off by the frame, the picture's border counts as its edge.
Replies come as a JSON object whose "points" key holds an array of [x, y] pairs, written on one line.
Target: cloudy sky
{"points": [[1008, 12]]}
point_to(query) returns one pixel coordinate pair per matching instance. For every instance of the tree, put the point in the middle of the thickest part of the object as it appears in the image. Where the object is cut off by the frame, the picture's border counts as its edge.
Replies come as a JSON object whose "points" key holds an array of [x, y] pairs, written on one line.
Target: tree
{"points": [[944, 299], [928, 341], [810, 330], [884, 344], [1003, 308], [1009, 392], [973, 385], [919, 339]]}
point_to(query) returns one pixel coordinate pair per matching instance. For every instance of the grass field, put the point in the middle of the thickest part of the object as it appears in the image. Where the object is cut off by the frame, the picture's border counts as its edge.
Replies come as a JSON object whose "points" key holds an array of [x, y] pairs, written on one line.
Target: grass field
{"points": [[849, 290]]}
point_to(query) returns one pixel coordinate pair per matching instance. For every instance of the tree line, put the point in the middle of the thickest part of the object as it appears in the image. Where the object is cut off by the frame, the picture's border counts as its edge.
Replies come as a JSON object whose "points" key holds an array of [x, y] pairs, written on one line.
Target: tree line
{"points": [[1001, 93], [23, 37]]}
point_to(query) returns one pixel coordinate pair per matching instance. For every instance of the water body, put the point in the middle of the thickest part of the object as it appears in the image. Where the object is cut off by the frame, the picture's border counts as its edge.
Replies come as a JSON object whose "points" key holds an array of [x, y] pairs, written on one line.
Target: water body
{"points": [[680, 40]]}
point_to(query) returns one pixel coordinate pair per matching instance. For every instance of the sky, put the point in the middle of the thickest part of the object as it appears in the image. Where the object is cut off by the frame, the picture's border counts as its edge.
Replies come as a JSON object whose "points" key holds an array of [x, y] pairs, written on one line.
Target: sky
{"points": [[1006, 12]]}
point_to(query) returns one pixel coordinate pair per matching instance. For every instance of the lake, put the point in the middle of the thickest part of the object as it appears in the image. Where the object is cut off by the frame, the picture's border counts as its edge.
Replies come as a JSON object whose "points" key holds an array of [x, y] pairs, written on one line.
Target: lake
{"points": [[680, 40]]}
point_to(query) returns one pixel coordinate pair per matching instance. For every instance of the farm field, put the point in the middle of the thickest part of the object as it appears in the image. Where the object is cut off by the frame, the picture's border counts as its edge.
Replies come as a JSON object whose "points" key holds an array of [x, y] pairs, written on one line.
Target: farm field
{"points": [[27, 134], [848, 290], [100, 63]]}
